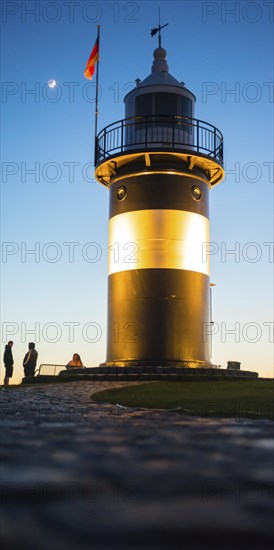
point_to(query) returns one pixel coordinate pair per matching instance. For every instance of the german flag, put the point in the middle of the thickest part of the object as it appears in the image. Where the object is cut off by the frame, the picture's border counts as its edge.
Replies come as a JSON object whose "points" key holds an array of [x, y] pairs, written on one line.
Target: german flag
{"points": [[94, 56]]}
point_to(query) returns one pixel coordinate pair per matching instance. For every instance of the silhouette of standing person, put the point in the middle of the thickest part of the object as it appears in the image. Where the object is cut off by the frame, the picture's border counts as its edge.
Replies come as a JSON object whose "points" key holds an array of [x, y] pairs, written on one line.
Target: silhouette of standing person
{"points": [[8, 362], [30, 360]]}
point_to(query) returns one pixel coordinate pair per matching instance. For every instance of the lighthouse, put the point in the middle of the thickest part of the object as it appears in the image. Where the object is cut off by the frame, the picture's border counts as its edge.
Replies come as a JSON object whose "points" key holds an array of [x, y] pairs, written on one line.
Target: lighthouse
{"points": [[159, 164]]}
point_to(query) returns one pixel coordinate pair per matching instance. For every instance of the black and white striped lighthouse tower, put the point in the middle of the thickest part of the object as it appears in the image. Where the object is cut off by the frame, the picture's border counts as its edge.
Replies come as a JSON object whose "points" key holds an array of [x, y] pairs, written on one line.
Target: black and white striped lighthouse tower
{"points": [[159, 164]]}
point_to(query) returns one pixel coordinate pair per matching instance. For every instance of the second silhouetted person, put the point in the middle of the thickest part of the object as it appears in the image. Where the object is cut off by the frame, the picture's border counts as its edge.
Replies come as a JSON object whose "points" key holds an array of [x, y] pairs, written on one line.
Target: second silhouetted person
{"points": [[30, 360]]}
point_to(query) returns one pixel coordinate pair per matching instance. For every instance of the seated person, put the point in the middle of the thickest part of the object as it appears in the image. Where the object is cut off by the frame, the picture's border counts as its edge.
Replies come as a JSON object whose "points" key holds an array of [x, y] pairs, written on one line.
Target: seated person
{"points": [[75, 362]]}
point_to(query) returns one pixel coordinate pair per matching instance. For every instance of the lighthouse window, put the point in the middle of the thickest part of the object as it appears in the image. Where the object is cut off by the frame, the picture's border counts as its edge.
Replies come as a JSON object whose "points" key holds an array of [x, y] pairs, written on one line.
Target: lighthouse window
{"points": [[165, 104], [121, 193], [196, 193], [186, 107], [162, 104], [144, 105]]}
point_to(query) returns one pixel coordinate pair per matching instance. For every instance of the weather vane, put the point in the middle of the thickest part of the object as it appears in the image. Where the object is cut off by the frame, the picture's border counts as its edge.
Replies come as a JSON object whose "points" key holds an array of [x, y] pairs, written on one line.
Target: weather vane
{"points": [[158, 29]]}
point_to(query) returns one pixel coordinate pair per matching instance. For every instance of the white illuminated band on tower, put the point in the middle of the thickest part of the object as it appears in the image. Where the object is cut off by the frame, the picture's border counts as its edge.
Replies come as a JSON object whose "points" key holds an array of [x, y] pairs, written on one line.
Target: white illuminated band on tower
{"points": [[170, 239]]}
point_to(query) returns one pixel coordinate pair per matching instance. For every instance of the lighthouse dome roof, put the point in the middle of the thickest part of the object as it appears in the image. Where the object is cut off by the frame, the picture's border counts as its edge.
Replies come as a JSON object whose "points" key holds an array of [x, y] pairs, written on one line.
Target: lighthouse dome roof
{"points": [[159, 77], [159, 71]]}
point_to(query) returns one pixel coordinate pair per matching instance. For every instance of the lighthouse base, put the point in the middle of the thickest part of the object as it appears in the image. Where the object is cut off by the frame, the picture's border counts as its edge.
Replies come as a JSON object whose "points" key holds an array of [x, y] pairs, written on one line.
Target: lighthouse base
{"points": [[150, 373], [150, 366]]}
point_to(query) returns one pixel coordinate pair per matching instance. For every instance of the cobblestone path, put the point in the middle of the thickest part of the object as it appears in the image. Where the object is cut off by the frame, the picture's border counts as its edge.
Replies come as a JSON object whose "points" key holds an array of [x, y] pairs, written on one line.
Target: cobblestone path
{"points": [[77, 475]]}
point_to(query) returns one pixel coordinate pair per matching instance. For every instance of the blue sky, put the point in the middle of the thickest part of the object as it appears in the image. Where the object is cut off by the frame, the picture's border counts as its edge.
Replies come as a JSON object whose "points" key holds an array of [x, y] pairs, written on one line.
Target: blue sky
{"points": [[52, 132]]}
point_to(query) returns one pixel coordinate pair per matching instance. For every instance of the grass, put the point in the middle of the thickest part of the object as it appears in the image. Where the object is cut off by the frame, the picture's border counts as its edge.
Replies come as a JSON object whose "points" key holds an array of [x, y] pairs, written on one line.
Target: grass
{"points": [[227, 398]]}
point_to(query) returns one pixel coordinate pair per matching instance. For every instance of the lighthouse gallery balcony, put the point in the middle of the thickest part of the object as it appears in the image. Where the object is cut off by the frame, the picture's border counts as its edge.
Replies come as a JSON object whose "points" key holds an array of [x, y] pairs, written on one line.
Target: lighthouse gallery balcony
{"points": [[185, 136], [167, 132]]}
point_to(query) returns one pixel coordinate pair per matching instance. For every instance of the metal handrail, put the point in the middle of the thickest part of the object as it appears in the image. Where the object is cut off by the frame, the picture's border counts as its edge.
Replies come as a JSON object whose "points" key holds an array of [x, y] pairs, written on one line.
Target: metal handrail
{"points": [[49, 365], [56, 366], [164, 131]]}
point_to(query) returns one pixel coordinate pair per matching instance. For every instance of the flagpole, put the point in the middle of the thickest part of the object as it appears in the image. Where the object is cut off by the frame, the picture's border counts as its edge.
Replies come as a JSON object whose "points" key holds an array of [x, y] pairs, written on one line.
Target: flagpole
{"points": [[96, 97]]}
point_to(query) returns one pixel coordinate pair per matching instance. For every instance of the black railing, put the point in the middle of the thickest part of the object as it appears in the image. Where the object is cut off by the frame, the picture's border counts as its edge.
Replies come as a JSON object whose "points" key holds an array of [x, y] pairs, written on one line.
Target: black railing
{"points": [[163, 132], [51, 367]]}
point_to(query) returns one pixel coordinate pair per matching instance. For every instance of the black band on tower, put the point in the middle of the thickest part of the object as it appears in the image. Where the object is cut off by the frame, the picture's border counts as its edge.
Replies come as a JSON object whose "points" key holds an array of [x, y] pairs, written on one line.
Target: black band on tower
{"points": [[161, 191]]}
